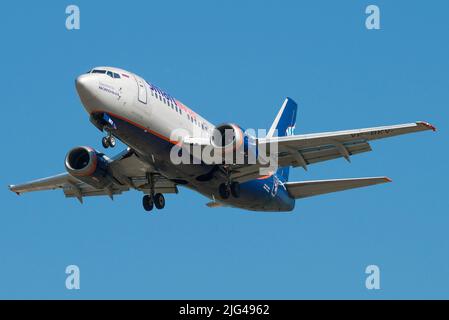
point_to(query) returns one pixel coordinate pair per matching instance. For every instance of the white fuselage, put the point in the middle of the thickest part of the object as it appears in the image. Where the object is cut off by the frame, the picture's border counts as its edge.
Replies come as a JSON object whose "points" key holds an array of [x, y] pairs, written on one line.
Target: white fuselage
{"points": [[141, 102]]}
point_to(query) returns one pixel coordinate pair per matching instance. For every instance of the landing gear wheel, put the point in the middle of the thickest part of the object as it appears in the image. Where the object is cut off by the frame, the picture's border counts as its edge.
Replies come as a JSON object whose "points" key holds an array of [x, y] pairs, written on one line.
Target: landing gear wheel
{"points": [[147, 203], [235, 189], [224, 191], [159, 201], [111, 141], [105, 142]]}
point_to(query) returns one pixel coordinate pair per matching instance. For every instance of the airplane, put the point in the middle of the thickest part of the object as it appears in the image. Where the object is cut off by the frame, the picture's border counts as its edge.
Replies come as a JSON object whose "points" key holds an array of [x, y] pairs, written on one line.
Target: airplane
{"points": [[126, 107]]}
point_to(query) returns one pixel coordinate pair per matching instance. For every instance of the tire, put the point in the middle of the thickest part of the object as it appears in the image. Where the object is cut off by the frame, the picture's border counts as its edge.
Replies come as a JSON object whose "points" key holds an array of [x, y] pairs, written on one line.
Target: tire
{"points": [[224, 191], [112, 141], [105, 142], [147, 203], [235, 189], [159, 201]]}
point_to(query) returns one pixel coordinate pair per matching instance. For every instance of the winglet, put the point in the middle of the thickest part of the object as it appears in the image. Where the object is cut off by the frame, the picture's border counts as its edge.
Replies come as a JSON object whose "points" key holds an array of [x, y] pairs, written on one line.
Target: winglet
{"points": [[388, 179], [428, 125]]}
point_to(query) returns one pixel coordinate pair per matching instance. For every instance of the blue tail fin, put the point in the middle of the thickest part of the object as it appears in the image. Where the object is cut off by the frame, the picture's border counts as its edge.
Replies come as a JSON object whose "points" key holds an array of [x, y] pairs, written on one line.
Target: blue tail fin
{"points": [[284, 125]]}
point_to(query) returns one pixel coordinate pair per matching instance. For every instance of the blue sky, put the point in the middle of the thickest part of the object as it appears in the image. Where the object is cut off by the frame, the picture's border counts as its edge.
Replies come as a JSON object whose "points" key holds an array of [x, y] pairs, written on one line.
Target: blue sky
{"points": [[231, 61]]}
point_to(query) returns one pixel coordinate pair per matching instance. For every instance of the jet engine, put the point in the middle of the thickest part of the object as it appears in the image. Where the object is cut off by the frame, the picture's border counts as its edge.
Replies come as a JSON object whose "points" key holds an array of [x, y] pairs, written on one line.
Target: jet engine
{"points": [[89, 166], [233, 144]]}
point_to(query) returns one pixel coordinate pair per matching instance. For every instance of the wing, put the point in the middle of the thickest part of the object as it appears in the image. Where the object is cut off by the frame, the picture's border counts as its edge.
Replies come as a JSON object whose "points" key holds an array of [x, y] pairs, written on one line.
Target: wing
{"points": [[305, 189], [128, 171], [307, 149]]}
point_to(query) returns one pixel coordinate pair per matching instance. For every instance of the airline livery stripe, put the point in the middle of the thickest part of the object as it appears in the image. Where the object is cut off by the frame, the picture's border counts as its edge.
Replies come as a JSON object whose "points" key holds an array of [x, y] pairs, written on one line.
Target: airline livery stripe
{"points": [[138, 125]]}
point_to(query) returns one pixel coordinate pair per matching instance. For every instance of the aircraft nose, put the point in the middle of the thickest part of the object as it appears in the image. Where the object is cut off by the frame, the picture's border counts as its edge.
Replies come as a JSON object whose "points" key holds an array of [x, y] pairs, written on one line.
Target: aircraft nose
{"points": [[85, 85]]}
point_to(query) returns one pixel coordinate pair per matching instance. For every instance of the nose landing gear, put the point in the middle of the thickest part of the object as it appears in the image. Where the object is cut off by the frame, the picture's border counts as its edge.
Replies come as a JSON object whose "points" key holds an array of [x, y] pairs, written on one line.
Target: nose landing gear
{"points": [[108, 141]]}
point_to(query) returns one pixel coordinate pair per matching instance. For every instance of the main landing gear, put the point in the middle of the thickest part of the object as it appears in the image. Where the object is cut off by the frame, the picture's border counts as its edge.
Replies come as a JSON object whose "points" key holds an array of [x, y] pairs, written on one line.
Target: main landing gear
{"points": [[152, 200], [227, 189], [149, 202]]}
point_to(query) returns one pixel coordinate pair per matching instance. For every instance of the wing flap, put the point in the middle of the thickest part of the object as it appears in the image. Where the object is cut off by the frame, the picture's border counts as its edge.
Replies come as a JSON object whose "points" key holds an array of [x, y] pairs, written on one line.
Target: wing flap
{"points": [[299, 190], [321, 153], [88, 191]]}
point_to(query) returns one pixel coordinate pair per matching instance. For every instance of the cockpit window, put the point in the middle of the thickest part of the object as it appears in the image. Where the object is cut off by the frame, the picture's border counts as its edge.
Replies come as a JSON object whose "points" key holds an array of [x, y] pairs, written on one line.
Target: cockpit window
{"points": [[99, 71], [111, 74]]}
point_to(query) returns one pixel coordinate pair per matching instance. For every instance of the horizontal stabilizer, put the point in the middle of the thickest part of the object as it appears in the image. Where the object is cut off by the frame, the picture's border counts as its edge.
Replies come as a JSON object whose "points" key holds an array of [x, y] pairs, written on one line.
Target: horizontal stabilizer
{"points": [[299, 190]]}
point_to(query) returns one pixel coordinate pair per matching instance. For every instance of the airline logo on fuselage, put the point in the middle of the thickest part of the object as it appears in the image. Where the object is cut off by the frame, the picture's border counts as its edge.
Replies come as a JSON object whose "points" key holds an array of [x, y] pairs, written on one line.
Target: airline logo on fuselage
{"points": [[168, 97], [109, 89]]}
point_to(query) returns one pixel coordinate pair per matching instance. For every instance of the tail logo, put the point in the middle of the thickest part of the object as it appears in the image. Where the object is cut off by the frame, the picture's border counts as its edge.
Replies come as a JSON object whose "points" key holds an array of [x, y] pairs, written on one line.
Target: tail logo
{"points": [[290, 131]]}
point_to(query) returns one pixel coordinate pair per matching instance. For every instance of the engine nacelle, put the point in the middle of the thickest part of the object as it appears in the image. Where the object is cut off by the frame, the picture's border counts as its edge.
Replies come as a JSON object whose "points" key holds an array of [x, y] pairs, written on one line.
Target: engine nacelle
{"points": [[231, 142], [89, 166]]}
